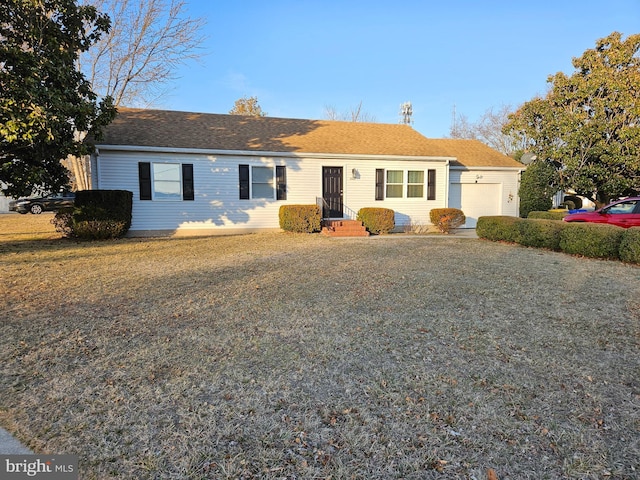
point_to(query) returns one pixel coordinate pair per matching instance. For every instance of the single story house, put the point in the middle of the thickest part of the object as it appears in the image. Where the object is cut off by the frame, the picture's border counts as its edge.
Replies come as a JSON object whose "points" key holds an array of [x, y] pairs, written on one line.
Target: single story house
{"points": [[197, 173]]}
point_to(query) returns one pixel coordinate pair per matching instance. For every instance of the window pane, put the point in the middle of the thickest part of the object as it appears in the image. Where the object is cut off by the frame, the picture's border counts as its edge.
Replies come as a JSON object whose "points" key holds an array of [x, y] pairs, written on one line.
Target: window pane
{"points": [[166, 181], [416, 177], [415, 191], [166, 171], [262, 190], [394, 191], [262, 182], [394, 176], [263, 175], [166, 190]]}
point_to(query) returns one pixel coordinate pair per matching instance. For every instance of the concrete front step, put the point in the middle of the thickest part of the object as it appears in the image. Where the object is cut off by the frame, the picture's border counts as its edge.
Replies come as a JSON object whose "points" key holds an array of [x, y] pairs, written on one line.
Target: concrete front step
{"points": [[344, 228]]}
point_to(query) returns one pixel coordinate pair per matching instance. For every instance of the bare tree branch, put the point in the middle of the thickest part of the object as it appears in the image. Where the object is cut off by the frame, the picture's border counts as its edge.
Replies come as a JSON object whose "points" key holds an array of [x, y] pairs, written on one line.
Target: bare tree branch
{"points": [[488, 130], [355, 114], [148, 40]]}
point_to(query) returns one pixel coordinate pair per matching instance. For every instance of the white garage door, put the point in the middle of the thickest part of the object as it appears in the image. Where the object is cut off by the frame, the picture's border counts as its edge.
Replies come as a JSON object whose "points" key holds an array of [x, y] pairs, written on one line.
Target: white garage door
{"points": [[475, 200]]}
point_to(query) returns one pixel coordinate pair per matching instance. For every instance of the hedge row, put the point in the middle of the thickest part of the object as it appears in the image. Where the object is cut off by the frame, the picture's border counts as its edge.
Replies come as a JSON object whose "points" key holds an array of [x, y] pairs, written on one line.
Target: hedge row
{"points": [[587, 239], [547, 215], [96, 215]]}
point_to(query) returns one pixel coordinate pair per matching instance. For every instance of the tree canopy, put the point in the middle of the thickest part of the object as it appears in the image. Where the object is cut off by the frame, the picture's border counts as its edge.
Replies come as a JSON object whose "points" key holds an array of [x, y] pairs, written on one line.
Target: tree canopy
{"points": [[588, 124], [46, 104], [247, 106]]}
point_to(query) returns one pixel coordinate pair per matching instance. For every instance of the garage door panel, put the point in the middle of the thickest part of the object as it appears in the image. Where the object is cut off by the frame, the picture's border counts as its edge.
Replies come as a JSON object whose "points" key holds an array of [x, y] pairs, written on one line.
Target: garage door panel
{"points": [[475, 200]]}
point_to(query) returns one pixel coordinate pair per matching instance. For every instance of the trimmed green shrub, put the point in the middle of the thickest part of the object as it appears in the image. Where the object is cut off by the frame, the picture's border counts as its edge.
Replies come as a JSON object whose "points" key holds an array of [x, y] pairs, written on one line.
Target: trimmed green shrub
{"points": [[446, 219], [99, 229], [300, 218], [591, 239], [548, 215], [540, 233], [97, 215], [377, 220], [113, 205], [499, 228], [630, 245]]}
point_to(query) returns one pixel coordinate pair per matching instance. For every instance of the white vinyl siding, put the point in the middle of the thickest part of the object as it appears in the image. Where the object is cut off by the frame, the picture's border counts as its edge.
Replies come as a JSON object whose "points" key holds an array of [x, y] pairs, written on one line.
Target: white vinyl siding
{"points": [[217, 207]]}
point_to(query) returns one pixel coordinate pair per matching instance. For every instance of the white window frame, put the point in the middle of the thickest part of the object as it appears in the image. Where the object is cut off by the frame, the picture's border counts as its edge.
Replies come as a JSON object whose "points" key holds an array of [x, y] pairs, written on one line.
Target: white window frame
{"points": [[388, 184], [166, 196], [405, 184], [271, 183], [413, 184]]}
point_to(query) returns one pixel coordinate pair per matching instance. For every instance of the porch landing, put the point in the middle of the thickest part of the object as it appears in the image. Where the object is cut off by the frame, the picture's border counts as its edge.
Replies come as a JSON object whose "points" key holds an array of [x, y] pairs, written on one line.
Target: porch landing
{"points": [[344, 228]]}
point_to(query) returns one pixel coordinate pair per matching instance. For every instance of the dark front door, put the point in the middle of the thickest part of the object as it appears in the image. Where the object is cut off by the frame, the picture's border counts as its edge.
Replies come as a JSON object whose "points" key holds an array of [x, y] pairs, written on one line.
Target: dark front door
{"points": [[332, 192]]}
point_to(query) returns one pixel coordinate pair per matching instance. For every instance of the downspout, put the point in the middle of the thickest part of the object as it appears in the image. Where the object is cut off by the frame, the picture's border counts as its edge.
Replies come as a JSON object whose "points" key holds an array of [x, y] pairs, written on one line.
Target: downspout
{"points": [[446, 185], [94, 176]]}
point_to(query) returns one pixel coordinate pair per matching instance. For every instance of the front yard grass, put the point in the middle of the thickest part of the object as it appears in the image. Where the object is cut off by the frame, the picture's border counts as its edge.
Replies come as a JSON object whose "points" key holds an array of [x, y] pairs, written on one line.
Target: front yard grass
{"points": [[298, 356]]}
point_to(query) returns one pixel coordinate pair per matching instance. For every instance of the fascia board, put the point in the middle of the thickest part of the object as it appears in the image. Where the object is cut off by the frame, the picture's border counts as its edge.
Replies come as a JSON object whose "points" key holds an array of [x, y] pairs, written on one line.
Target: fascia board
{"points": [[254, 153]]}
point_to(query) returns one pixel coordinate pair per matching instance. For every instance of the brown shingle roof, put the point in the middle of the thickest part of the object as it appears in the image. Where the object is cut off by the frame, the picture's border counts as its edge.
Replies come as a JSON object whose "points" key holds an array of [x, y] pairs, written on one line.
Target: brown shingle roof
{"points": [[171, 129]]}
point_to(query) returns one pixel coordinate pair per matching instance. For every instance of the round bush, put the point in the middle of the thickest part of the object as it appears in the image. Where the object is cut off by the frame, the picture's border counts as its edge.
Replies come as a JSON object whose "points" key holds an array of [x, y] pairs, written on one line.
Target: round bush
{"points": [[377, 220]]}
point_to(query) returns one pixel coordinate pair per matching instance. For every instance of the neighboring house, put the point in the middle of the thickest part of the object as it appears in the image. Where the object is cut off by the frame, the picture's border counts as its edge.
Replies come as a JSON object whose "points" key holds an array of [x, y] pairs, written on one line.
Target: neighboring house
{"points": [[209, 173], [4, 201]]}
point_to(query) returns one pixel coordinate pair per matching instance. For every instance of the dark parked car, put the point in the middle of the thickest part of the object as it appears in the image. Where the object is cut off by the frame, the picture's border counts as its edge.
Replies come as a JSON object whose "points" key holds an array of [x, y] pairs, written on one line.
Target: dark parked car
{"points": [[51, 203], [623, 213]]}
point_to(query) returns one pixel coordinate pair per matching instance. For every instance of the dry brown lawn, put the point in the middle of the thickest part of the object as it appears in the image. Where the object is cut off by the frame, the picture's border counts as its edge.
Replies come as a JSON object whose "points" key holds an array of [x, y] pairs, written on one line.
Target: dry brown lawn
{"points": [[282, 356]]}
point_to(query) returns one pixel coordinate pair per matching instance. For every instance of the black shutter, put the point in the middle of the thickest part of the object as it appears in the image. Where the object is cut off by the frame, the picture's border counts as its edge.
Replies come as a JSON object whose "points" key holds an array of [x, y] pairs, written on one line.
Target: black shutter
{"points": [[281, 182], [187, 181], [379, 184], [244, 181], [431, 184], [144, 177]]}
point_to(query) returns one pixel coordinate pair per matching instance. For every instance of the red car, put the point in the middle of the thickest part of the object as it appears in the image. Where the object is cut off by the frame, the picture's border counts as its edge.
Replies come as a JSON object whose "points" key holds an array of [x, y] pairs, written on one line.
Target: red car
{"points": [[623, 213]]}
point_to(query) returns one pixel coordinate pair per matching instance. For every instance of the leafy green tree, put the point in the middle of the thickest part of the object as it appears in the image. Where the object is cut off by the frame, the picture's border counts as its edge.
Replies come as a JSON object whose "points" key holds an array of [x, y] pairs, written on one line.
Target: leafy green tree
{"points": [[46, 104], [248, 106], [588, 124], [537, 186]]}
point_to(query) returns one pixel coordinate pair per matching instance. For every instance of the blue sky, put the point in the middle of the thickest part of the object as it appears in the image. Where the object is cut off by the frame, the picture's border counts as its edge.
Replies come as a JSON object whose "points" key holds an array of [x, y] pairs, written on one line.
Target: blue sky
{"points": [[299, 57]]}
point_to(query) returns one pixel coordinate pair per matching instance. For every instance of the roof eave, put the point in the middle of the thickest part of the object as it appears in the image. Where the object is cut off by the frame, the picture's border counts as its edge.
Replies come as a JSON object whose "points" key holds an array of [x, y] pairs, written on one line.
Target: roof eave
{"points": [[259, 153], [486, 168]]}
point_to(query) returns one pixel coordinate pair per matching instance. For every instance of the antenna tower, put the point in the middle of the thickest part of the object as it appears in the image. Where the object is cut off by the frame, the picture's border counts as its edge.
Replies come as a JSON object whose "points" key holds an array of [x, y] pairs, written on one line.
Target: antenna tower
{"points": [[406, 110]]}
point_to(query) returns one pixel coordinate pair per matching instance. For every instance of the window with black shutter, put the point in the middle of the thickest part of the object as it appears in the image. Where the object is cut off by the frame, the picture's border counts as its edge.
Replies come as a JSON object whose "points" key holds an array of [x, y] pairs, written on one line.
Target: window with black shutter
{"points": [[431, 184], [379, 184], [166, 181], [144, 176], [281, 182], [187, 181], [244, 181]]}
